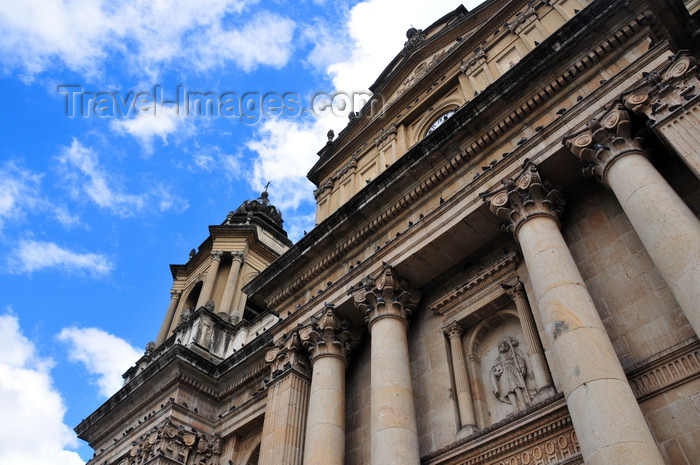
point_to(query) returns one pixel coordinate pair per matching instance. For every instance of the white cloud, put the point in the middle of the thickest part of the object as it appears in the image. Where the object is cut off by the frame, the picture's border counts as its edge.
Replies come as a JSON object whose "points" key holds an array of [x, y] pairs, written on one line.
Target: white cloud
{"points": [[104, 355], [30, 255], [33, 432], [82, 169], [19, 192], [145, 127], [80, 34], [377, 41], [286, 149]]}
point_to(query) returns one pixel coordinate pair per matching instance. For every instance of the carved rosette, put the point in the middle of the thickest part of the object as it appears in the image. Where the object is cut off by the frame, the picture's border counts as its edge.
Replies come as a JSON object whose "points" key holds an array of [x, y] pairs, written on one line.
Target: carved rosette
{"points": [[329, 336], [287, 355], [387, 296], [604, 141], [525, 197], [665, 92]]}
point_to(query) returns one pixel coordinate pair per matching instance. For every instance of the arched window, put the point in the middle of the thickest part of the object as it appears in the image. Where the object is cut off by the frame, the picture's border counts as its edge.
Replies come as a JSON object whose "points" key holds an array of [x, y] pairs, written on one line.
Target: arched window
{"points": [[440, 119]]}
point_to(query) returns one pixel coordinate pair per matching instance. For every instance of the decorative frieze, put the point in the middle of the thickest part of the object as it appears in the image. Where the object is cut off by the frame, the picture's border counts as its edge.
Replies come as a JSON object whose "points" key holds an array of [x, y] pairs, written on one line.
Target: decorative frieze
{"points": [[667, 371]]}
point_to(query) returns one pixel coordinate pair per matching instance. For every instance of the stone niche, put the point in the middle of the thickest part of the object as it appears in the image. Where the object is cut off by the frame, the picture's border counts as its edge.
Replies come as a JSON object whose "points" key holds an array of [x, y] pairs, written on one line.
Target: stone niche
{"points": [[488, 316], [502, 370]]}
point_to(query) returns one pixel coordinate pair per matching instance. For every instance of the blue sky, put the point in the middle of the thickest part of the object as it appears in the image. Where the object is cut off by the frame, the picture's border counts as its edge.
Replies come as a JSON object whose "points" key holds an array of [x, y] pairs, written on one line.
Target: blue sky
{"points": [[94, 206]]}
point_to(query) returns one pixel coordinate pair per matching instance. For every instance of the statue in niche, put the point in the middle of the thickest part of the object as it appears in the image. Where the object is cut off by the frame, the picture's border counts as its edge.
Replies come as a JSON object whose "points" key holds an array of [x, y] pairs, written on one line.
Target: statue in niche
{"points": [[508, 375]]}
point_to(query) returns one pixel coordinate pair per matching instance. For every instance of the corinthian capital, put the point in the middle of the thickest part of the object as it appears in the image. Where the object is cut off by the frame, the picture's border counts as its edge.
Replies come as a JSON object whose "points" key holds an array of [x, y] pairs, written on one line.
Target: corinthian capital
{"points": [[525, 197], [329, 336], [386, 296], [604, 141], [237, 255], [453, 330], [217, 254], [661, 93], [287, 354]]}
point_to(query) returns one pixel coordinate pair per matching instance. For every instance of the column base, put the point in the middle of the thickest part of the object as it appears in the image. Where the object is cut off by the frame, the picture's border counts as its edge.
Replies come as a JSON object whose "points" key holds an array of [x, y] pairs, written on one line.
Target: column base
{"points": [[544, 394], [467, 431]]}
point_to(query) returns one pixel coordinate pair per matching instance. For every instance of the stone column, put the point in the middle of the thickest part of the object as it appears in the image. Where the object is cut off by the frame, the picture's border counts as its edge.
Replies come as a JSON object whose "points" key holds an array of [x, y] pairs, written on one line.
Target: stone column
{"points": [[231, 280], [329, 342], [666, 226], [169, 315], [287, 403], [459, 368], [671, 101], [605, 414], [209, 281], [534, 349], [387, 302]]}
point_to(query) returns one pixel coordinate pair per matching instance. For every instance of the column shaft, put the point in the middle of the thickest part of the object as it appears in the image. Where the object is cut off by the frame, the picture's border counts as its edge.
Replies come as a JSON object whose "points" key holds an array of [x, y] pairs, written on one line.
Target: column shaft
{"points": [[666, 226], [231, 280], [285, 416], [607, 419], [537, 359], [325, 426], [394, 433], [459, 367], [209, 281], [169, 315], [606, 416]]}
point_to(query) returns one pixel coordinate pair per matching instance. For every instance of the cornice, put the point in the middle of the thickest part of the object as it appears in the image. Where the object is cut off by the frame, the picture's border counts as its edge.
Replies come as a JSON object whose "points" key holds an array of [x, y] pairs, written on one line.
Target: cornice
{"points": [[487, 277], [549, 52]]}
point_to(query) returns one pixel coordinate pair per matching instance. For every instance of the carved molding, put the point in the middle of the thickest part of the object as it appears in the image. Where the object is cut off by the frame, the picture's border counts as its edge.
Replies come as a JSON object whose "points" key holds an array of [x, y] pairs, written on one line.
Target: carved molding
{"points": [[603, 141], [664, 92], [541, 434], [387, 296], [483, 142], [527, 196], [666, 372]]}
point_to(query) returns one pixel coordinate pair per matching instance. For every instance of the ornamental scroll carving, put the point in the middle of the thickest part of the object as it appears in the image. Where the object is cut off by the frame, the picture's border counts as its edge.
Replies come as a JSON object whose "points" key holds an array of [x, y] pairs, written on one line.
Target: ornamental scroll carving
{"points": [[329, 335], [604, 141], [526, 196], [386, 296], [287, 355], [175, 442], [664, 92]]}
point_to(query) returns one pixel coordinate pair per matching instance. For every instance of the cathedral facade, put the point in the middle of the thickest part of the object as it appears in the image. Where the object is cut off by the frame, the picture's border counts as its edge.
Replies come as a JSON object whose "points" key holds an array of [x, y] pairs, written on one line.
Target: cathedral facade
{"points": [[505, 267]]}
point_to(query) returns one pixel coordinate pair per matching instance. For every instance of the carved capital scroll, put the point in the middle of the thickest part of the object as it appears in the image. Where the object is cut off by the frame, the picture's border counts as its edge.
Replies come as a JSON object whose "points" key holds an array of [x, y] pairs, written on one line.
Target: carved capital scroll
{"points": [[525, 197], [661, 93], [386, 296], [603, 141], [288, 354], [329, 336]]}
